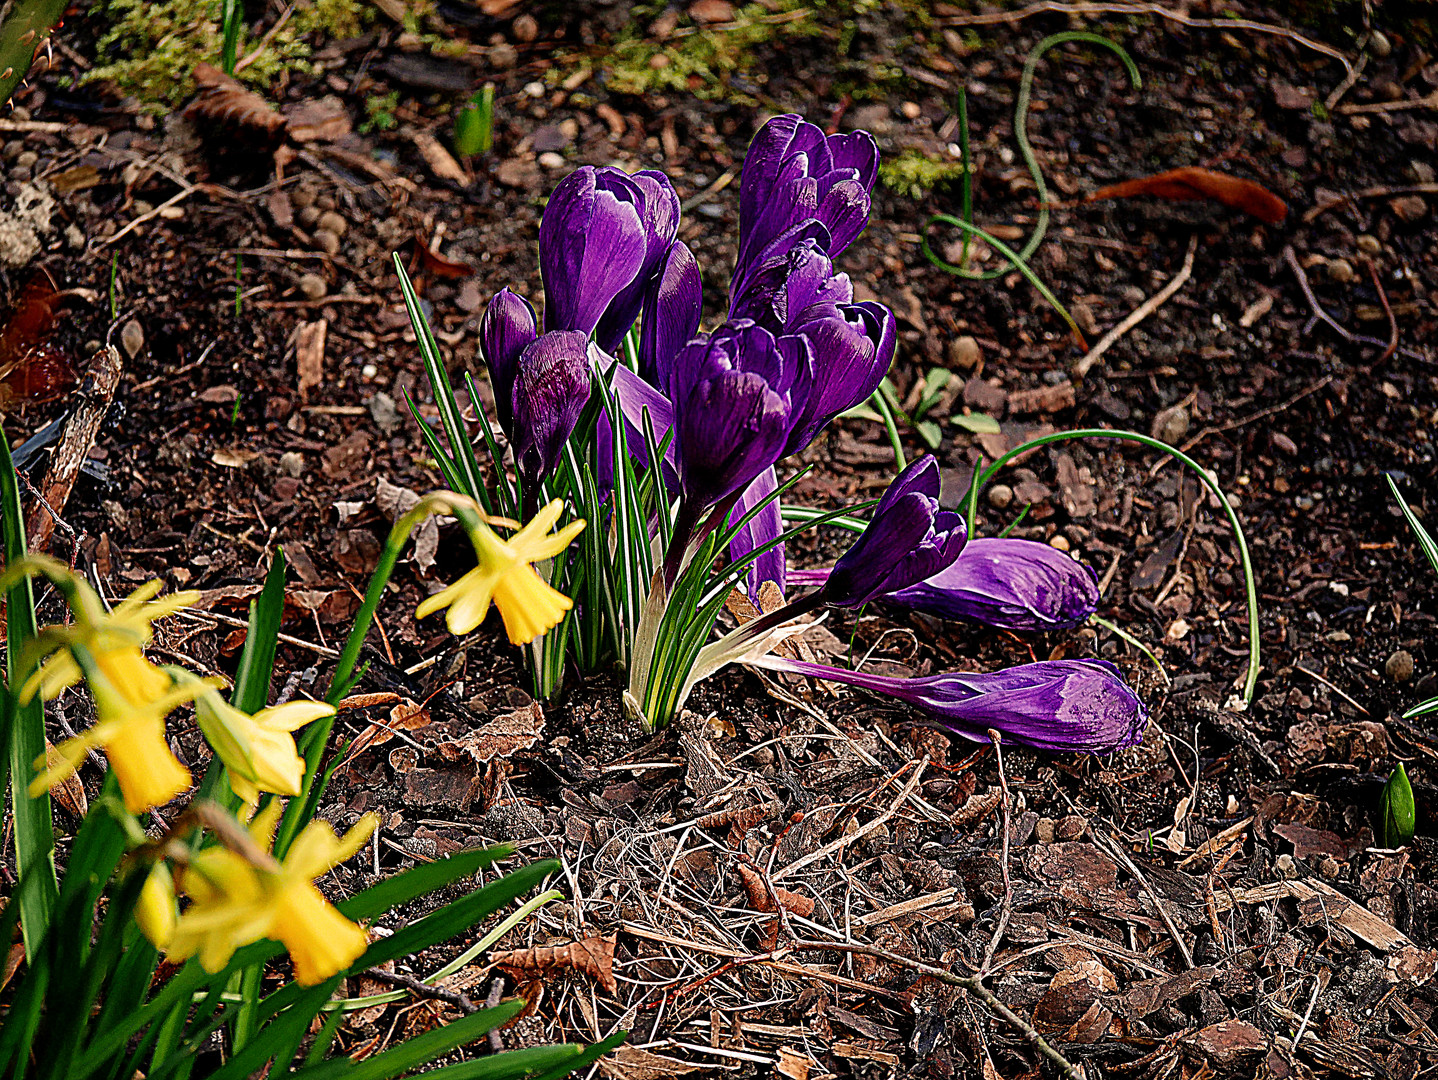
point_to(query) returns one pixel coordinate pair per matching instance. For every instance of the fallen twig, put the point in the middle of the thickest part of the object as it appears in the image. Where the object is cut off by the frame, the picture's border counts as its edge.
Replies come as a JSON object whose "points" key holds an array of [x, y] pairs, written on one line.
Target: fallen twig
{"points": [[1007, 907], [989, 18], [1291, 258], [1387, 310], [423, 989], [1115, 849], [1428, 102], [1369, 193], [1143, 311]]}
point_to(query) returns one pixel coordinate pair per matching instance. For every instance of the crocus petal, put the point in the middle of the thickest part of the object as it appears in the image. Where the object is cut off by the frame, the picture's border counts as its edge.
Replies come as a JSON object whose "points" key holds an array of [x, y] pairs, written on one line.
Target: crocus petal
{"points": [[638, 400], [764, 527], [779, 292], [908, 539], [508, 327], [592, 244], [853, 347], [551, 388], [673, 305], [659, 217], [1062, 706]]}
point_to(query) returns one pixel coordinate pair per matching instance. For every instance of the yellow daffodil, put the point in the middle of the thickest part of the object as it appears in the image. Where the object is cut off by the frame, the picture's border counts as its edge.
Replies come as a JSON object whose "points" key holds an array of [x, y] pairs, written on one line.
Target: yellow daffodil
{"points": [[258, 751], [132, 699], [235, 902], [127, 626], [505, 575], [155, 909]]}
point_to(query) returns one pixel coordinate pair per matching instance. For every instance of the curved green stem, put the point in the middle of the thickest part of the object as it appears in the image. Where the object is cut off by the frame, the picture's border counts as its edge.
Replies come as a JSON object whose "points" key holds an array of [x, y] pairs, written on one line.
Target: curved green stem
{"points": [[1254, 647]]}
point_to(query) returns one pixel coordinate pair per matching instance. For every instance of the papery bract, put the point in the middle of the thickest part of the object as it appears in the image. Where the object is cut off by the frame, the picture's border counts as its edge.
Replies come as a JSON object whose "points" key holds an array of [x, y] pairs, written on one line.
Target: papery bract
{"points": [[551, 387], [508, 327], [908, 539], [593, 243]]}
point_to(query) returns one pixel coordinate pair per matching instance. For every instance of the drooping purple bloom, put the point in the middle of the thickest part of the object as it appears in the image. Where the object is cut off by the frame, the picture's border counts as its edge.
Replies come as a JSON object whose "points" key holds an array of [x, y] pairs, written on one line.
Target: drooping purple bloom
{"points": [[551, 387], [793, 173], [673, 305], [908, 539], [593, 243], [1009, 584], [659, 217], [1063, 706], [508, 327], [735, 395]]}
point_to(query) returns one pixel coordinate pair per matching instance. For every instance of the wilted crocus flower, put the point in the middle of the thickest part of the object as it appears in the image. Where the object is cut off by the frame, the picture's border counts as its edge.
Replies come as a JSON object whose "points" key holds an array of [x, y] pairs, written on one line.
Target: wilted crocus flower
{"points": [[551, 387], [1058, 705], [593, 242], [735, 397], [793, 173], [908, 539], [1009, 584], [509, 326]]}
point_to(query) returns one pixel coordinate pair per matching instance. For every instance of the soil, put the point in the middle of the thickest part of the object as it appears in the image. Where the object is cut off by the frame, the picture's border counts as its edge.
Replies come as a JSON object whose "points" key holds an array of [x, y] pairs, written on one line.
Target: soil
{"points": [[1195, 901]]}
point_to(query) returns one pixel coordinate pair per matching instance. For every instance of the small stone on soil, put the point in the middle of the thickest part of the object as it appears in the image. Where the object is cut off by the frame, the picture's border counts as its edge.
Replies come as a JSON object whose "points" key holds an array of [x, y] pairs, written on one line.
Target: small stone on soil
{"points": [[1341, 271], [1407, 208], [525, 28], [1001, 496], [964, 353], [132, 337], [313, 286], [327, 241], [292, 463], [1400, 666], [333, 222]]}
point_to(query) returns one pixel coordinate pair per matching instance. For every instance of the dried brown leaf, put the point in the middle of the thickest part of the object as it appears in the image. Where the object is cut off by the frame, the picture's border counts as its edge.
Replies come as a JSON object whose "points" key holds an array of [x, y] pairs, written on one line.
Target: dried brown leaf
{"points": [[592, 956], [69, 792], [1191, 183], [759, 899], [223, 103], [501, 737], [406, 716]]}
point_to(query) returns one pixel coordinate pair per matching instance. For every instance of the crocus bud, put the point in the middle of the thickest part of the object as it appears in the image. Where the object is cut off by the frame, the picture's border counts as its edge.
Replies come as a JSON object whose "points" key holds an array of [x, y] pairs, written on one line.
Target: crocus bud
{"points": [[592, 244], [793, 172], [734, 396], [908, 539], [551, 388], [853, 346], [1011, 584], [659, 218], [1063, 706], [673, 305], [508, 327]]}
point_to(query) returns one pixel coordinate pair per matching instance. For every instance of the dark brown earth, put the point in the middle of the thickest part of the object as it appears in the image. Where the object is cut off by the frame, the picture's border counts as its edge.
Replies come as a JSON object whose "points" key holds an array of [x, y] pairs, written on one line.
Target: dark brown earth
{"points": [[1190, 903]]}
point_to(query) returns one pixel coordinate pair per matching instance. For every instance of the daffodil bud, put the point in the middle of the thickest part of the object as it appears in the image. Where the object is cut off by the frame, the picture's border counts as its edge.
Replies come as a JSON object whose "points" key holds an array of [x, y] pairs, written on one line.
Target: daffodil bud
{"points": [[155, 912]]}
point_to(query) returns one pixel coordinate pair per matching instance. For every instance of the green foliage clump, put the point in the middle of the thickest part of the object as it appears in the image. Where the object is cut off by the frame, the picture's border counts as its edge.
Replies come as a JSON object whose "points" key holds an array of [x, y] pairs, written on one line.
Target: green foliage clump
{"points": [[379, 112], [915, 174], [153, 47], [700, 59]]}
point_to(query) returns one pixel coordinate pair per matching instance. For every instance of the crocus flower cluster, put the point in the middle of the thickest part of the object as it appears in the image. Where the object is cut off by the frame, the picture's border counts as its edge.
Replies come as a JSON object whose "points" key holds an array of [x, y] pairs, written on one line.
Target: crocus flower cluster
{"points": [[793, 351]]}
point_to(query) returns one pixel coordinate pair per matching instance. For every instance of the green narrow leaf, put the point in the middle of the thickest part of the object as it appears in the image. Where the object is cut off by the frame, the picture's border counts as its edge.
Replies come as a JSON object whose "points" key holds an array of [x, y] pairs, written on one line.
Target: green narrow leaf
{"points": [[25, 727], [420, 1050], [420, 881], [1396, 811], [257, 658], [1425, 541]]}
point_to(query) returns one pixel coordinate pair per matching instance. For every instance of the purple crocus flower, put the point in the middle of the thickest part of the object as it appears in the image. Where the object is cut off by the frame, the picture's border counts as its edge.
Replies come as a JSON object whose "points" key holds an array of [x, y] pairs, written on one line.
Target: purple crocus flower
{"points": [[735, 395], [780, 292], [551, 387], [507, 329], [673, 305], [593, 243], [853, 346], [793, 173], [1009, 584], [908, 539], [659, 217], [1062, 706]]}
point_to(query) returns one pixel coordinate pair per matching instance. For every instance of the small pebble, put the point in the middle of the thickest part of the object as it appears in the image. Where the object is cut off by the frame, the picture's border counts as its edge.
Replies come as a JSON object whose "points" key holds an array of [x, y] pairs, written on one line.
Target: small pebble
{"points": [[328, 242], [1407, 208], [302, 197], [1341, 271], [552, 160], [525, 28], [332, 222], [1044, 830], [534, 89], [911, 110], [504, 56], [325, 201], [1059, 542], [313, 286], [1328, 867], [1001, 496], [1071, 827], [1170, 425], [308, 216], [26, 159], [12, 150], [1400, 666], [132, 338], [369, 371], [1369, 245], [964, 353], [1285, 866], [292, 463], [1379, 45]]}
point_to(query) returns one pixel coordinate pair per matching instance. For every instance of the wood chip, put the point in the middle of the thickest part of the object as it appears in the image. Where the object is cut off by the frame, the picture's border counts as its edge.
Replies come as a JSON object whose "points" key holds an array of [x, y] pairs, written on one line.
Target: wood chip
{"points": [[440, 161], [310, 355]]}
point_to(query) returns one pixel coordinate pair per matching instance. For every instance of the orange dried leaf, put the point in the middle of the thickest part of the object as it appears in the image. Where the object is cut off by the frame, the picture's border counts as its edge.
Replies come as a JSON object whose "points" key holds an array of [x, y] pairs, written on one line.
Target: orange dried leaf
{"points": [[760, 900], [1192, 183], [592, 956]]}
